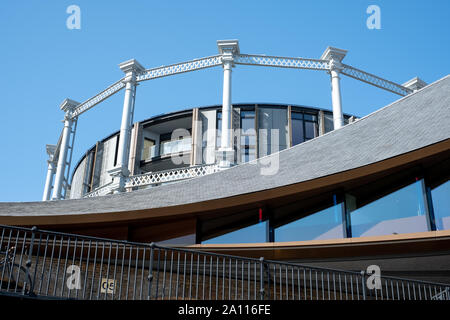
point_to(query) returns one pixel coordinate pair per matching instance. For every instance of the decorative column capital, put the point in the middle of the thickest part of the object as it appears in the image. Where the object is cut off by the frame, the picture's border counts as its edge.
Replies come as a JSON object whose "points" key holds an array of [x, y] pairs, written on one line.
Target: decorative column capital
{"points": [[51, 149], [228, 49], [131, 68], [415, 84], [335, 57], [68, 106]]}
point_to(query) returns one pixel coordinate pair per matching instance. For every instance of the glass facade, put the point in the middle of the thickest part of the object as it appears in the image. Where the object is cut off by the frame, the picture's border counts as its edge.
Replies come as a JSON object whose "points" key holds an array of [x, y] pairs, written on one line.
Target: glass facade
{"points": [[248, 136], [402, 211], [441, 206], [255, 233], [325, 224], [405, 210], [304, 127]]}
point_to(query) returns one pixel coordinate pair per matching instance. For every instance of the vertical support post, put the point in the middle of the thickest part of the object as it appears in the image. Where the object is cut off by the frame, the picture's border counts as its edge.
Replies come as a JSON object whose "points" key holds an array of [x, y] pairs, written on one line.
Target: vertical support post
{"points": [[228, 49], [131, 68], [150, 271], [51, 169], [67, 106], [261, 278], [28, 265], [335, 56], [363, 284]]}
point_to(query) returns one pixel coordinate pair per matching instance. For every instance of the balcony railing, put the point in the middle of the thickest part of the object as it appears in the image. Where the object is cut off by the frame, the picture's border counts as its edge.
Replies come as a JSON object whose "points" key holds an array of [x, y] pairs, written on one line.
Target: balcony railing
{"points": [[155, 178], [171, 175], [46, 264]]}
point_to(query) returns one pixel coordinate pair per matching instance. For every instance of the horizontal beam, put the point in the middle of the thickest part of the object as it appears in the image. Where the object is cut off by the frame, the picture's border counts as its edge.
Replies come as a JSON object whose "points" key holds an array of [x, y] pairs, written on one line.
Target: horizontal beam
{"points": [[182, 67], [281, 62], [91, 102], [375, 80]]}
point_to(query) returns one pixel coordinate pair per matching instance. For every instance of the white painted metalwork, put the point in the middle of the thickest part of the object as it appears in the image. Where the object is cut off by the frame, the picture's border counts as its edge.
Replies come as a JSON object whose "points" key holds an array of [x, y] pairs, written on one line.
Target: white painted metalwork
{"points": [[182, 67], [51, 168], [281, 62], [100, 191], [375, 80], [66, 185], [228, 49], [131, 68], [91, 102], [68, 135], [170, 175], [335, 56], [229, 55]]}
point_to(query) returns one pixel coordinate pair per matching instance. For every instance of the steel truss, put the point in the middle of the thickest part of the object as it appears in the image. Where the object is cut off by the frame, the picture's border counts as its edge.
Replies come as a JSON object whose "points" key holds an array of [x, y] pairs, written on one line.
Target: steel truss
{"points": [[193, 65], [237, 59], [243, 59], [375, 80], [281, 62]]}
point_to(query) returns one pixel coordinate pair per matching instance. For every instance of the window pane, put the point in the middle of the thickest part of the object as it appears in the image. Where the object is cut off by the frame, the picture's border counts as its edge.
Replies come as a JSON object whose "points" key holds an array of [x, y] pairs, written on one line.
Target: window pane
{"points": [[297, 132], [310, 130], [247, 124], [402, 211], [297, 116], [441, 205], [325, 224], [251, 234], [248, 154], [149, 149], [310, 117], [219, 130]]}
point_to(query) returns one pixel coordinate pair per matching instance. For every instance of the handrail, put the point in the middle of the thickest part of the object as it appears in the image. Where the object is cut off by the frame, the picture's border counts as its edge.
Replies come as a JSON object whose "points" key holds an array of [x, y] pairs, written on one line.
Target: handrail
{"points": [[118, 269]]}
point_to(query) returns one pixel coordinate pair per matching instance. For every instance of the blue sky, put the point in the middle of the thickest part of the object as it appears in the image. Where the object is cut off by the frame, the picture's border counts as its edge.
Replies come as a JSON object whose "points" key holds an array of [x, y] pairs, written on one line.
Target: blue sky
{"points": [[43, 62]]}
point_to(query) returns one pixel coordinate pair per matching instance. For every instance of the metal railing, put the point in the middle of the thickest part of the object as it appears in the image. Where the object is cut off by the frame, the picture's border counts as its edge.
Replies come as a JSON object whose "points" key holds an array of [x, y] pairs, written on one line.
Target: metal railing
{"points": [[170, 175], [49, 264]]}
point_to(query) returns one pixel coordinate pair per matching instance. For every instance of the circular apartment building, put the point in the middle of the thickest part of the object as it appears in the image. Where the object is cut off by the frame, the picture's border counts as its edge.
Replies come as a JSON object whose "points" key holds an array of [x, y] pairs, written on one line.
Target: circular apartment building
{"points": [[191, 138]]}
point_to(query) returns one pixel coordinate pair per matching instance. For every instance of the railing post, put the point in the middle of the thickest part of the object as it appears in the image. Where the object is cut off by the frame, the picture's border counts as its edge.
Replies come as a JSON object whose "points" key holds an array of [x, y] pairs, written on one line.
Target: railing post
{"points": [[363, 284], [150, 272], [28, 264], [261, 278]]}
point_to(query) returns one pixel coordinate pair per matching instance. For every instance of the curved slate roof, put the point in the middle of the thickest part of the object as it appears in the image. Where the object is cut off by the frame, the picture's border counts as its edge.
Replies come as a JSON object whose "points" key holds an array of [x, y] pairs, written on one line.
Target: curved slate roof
{"points": [[410, 123]]}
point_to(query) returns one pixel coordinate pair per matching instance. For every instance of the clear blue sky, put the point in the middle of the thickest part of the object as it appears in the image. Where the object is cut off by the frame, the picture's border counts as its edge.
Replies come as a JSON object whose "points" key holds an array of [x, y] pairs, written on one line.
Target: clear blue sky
{"points": [[43, 62]]}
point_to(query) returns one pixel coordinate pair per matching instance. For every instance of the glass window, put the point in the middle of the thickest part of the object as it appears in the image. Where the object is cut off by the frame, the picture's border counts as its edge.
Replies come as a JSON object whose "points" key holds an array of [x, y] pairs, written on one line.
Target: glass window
{"points": [[441, 205], [148, 151], [402, 211], [219, 129], [297, 132], [325, 224], [304, 127], [248, 136], [251, 234], [310, 130]]}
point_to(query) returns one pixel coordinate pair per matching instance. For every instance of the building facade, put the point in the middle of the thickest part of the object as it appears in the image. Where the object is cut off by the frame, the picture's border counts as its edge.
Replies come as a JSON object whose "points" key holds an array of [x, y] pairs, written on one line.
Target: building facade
{"points": [[192, 138]]}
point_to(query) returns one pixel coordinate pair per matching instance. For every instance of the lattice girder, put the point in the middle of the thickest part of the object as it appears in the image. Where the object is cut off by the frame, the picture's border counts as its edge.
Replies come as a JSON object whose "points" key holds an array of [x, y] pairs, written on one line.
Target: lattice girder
{"points": [[375, 80], [281, 62], [182, 67]]}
